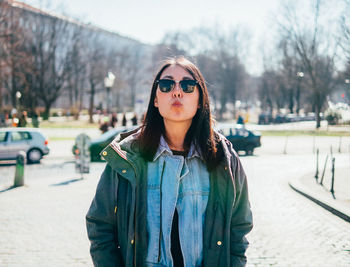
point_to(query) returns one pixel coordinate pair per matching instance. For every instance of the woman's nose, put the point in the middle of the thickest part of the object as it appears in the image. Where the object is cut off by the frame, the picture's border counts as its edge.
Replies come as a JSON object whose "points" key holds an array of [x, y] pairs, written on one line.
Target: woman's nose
{"points": [[177, 91]]}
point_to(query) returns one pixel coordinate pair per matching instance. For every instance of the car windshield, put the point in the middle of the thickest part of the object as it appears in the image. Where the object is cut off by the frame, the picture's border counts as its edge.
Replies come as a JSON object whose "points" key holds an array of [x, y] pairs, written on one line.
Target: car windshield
{"points": [[2, 136]]}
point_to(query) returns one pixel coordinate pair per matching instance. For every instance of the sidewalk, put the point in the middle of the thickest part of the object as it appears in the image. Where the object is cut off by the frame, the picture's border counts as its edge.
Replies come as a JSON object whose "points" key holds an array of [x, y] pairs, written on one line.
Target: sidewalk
{"points": [[43, 222], [308, 187]]}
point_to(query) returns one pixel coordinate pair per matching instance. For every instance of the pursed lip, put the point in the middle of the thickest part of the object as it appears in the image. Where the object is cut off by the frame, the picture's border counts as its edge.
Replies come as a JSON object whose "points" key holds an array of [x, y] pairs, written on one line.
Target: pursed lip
{"points": [[177, 104]]}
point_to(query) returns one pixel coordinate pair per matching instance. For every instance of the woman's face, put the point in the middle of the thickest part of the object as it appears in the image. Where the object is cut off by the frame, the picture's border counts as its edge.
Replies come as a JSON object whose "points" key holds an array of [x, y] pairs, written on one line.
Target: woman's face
{"points": [[177, 106]]}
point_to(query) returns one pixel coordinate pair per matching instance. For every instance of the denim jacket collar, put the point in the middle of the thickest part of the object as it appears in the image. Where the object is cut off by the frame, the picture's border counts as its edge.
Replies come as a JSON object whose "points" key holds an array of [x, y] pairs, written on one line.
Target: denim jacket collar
{"points": [[164, 148]]}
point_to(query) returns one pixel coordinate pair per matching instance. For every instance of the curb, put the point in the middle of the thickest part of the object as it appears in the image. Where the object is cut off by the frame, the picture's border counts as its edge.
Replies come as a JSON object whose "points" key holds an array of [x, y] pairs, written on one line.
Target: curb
{"points": [[338, 211]]}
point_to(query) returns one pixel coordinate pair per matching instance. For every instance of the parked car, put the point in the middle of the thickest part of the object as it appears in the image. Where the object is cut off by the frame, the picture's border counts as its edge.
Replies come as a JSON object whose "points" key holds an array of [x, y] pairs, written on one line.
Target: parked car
{"points": [[97, 145], [31, 141], [241, 138], [265, 118], [280, 118]]}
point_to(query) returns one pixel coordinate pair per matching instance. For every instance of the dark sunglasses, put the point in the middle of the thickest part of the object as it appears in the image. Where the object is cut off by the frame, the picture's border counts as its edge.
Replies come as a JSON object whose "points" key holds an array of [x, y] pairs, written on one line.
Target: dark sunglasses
{"points": [[166, 85]]}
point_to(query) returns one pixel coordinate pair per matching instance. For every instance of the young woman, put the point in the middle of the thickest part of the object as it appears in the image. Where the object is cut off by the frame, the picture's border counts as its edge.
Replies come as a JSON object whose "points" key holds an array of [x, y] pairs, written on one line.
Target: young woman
{"points": [[173, 193]]}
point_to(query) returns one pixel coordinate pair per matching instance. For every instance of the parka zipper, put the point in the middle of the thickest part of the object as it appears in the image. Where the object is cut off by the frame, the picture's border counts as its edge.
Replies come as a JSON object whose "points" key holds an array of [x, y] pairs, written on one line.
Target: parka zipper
{"points": [[212, 227], [160, 212], [134, 216], [118, 151]]}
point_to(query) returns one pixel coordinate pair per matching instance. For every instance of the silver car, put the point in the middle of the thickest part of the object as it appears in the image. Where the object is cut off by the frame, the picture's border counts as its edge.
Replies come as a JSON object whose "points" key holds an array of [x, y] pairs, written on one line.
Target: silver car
{"points": [[29, 140]]}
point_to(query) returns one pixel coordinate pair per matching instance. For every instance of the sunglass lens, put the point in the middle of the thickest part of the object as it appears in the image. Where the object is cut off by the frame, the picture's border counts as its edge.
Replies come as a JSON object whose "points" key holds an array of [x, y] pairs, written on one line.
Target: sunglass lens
{"points": [[166, 86], [188, 85]]}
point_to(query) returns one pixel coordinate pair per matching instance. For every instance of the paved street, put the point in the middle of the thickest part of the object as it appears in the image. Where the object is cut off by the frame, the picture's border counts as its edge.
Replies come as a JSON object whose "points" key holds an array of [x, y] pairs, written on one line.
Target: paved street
{"points": [[42, 224], [290, 230]]}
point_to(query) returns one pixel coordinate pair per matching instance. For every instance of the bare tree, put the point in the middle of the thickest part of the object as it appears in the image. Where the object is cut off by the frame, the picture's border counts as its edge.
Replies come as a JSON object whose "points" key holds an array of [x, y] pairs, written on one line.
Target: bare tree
{"points": [[76, 69], [345, 30], [315, 51], [271, 90], [224, 50], [14, 59], [96, 69], [345, 45], [52, 42]]}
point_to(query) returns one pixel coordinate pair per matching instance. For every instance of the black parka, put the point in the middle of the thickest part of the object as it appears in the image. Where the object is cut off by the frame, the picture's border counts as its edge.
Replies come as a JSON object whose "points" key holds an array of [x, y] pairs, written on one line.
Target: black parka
{"points": [[116, 220]]}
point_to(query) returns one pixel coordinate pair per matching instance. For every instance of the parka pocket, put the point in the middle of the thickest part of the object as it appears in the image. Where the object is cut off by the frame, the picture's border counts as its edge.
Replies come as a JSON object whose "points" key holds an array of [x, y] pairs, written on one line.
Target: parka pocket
{"points": [[212, 257]]}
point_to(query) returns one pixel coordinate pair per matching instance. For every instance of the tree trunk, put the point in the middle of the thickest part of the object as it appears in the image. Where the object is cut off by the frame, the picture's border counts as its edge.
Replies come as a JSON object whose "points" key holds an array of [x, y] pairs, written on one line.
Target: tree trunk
{"points": [[291, 102], [298, 97], [318, 118], [46, 113], [91, 106]]}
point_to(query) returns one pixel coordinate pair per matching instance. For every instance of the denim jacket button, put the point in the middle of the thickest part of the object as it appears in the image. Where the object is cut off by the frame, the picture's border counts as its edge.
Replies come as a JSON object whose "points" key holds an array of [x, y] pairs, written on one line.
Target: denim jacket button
{"points": [[219, 243], [225, 168], [123, 171], [104, 153], [132, 241]]}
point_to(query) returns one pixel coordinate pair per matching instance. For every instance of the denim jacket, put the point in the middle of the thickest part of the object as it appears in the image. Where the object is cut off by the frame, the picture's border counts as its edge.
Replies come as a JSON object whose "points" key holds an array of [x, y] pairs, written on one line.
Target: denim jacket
{"points": [[116, 220], [176, 182]]}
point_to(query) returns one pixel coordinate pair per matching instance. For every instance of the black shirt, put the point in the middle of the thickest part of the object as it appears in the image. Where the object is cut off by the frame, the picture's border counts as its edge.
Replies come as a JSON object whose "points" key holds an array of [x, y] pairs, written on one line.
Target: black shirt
{"points": [[176, 252]]}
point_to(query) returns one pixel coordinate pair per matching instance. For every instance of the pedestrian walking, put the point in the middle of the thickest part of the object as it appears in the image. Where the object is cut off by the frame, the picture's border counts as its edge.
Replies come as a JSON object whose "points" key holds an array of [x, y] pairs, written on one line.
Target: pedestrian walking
{"points": [[240, 119], [35, 119], [22, 120], [114, 119], [134, 119], [173, 193], [124, 120]]}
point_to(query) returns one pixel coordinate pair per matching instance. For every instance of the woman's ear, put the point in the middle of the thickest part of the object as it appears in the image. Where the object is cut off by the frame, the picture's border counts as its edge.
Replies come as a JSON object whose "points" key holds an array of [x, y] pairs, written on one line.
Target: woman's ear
{"points": [[156, 102]]}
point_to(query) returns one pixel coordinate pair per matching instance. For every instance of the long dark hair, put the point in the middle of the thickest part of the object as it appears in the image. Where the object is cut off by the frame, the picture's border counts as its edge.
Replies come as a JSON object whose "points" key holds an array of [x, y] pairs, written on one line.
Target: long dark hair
{"points": [[200, 132]]}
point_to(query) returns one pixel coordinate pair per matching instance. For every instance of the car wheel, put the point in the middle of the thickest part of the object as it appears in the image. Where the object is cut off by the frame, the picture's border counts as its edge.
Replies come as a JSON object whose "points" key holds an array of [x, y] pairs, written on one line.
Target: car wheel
{"points": [[34, 155], [249, 150]]}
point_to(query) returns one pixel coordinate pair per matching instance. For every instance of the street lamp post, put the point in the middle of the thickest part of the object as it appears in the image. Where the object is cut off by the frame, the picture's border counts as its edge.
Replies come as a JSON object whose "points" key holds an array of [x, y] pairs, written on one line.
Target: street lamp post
{"points": [[108, 82], [300, 75], [18, 96]]}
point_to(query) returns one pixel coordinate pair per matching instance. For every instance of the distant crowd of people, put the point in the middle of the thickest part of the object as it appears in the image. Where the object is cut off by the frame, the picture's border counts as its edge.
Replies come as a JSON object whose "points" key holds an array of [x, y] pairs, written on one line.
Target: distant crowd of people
{"points": [[17, 119], [108, 121]]}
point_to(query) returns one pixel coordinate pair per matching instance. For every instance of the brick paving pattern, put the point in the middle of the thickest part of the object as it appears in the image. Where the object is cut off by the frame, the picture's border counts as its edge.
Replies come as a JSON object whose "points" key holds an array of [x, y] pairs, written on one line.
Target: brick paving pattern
{"points": [[43, 224]]}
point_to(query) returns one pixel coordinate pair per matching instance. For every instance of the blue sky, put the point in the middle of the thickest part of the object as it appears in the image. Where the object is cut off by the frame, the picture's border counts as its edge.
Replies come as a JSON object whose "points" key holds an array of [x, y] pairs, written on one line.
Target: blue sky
{"points": [[147, 21]]}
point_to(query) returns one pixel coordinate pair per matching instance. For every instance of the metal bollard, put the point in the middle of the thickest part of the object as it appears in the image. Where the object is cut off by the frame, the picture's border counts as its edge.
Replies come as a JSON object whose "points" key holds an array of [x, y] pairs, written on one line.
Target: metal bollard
{"points": [[332, 184], [316, 174], [324, 169], [339, 150], [285, 145], [331, 151], [19, 174]]}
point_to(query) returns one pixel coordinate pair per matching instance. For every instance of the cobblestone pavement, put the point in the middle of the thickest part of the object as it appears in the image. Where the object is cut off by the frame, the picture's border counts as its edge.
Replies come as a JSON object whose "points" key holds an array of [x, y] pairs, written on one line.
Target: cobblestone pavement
{"points": [[43, 224], [290, 230]]}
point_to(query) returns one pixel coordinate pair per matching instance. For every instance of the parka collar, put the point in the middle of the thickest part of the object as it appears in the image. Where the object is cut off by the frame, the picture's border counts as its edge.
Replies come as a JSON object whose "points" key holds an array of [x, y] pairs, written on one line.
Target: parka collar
{"points": [[122, 156], [163, 148]]}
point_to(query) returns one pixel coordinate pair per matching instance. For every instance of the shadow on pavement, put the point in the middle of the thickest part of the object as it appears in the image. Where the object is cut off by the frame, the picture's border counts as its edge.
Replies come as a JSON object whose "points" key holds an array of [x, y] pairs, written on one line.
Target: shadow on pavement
{"points": [[7, 163], [67, 182], [8, 189], [243, 155]]}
